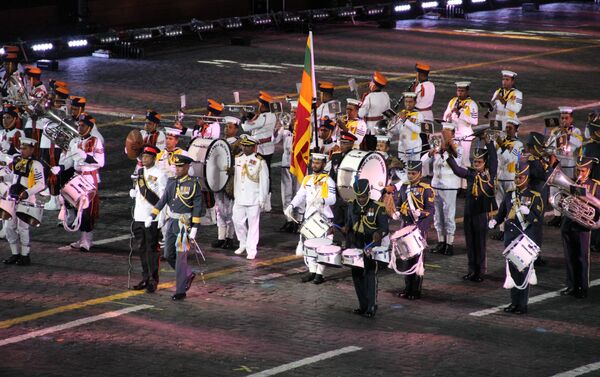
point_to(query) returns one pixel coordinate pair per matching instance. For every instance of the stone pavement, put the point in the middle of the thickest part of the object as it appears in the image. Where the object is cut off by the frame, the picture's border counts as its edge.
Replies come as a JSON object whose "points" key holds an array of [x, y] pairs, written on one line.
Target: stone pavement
{"points": [[250, 316]]}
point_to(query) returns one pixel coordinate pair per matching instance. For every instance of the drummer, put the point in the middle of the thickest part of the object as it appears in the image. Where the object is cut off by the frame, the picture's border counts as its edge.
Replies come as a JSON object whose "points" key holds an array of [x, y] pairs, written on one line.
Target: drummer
{"points": [[415, 200], [365, 226], [27, 181], [316, 194], [520, 210]]}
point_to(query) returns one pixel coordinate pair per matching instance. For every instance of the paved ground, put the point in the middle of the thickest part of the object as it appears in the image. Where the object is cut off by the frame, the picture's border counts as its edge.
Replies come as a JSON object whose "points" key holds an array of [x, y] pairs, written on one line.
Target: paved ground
{"points": [[247, 317]]}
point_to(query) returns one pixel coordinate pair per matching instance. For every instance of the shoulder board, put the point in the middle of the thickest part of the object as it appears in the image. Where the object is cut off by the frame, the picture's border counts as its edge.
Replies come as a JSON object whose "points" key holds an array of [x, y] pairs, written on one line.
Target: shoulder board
{"points": [[239, 154], [596, 181], [531, 158], [379, 204], [259, 156], [535, 193], [424, 185]]}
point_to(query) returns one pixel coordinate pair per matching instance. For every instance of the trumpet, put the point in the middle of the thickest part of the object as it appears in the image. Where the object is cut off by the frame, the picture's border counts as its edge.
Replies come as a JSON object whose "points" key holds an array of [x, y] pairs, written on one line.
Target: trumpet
{"points": [[207, 118], [237, 107], [342, 118]]}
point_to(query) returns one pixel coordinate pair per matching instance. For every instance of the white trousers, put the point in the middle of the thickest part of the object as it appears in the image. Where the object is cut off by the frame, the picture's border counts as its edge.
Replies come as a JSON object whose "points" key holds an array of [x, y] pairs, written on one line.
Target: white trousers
{"points": [[445, 211], [224, 215], [310, 262], [17, 232], [246, 220]]}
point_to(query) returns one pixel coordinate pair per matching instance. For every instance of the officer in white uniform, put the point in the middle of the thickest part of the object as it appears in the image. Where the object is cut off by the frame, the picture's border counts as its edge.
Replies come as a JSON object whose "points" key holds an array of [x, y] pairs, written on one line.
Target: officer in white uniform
{"points": [[165, 159], [507, 100], [409, 129], [463, 112], [373, 105], [326, 89], [251, 190], [354, 124], [151, 182], [445, 185], [316, 194], [425, 91], [27, 180], [262, 127]]}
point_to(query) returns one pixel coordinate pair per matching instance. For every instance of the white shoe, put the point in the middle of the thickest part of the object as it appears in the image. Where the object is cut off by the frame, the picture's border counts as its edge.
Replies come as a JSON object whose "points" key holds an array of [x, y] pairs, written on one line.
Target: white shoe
{"points": [[75, 245], [45, 192], [239, 251], [251, 255], [53, 204]]}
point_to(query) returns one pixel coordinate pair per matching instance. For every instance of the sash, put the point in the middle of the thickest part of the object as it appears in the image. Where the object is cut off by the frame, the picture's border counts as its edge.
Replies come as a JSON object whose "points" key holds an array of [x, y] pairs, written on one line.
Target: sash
{"points": [[146, 192]]}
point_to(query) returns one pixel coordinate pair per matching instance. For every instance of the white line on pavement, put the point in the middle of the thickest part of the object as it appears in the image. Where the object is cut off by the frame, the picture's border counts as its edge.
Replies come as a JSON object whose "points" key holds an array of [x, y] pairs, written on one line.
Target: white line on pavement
{"points": [[68, 325], [532, 300], [303, 362], [579, 371], [113, 239]]}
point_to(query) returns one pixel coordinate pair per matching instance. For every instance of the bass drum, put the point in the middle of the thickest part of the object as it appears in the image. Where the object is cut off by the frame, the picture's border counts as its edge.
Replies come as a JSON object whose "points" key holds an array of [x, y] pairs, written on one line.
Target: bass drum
{"points": [[361, 164], [212, 160]]}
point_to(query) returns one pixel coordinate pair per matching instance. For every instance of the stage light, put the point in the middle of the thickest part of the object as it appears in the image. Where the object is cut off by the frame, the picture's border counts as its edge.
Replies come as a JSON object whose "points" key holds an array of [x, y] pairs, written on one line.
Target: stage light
{"points": [[142, 34], [109, 38], [402, 8], [454, 2], [346, 12], [429, 4], [291, 17], [374, 11], [319, 14], [202, 26], [261, 19], [2, 51], [77, 43], [477, 1], [173, 31], [42, 47], [233, 23]]}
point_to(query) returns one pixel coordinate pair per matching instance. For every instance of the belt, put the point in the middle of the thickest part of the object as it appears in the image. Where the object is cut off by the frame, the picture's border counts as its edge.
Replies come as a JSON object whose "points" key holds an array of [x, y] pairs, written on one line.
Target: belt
{"points": [[265, 140], [373, 119], [177, 216], [91, 172], [424, 109]]}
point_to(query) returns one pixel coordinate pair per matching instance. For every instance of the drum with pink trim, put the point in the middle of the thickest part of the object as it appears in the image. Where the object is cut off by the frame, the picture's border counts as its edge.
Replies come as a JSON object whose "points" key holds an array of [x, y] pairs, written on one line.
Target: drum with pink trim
{"points": [[313, 244], [353, 258], [330, 255]]}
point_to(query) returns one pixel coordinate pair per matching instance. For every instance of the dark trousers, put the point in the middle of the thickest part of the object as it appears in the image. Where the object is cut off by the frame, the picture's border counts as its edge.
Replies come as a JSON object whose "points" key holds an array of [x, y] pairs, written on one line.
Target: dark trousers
{"points": [[365, 284], [147, 244], [177, 259], [476, 235], [518, 297], [412, 282], [576, 247], [595, 239]]}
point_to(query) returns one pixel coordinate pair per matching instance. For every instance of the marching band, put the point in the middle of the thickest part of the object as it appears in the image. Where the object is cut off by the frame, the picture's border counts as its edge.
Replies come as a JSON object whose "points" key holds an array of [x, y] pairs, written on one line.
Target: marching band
{"points": [[345, 209]]}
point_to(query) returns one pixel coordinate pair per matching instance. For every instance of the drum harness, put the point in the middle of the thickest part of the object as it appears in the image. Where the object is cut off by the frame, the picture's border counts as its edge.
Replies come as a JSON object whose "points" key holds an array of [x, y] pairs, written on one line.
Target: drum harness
{"points": [[418, 268], [531, 276]]}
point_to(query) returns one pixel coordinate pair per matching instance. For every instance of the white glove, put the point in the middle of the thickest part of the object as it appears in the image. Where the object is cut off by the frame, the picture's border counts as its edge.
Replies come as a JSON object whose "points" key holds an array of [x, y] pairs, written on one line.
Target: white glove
{"points": [[192, 233], [492, 223], [524, 210], [55, 170], [289, 212], [81, 153], [262, 205], [132, 193], [416, 214], [148, 222], [396, 215]]}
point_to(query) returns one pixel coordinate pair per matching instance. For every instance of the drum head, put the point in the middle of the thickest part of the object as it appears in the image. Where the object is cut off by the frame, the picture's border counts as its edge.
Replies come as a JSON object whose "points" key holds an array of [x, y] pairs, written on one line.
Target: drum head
{"points": [[367, 165], [403, 232], [133, 144], [317, 242], [219, 159]]}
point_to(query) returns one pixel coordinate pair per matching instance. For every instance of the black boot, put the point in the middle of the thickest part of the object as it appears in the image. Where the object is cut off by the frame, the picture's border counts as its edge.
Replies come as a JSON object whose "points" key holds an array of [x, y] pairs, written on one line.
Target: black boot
{"points": [[539, 261], [449, 250], [318, 279], [308, 277], [12, 259], [218, 243], [498, 236], [141, 285], [439, 248], [24, 261], [228, 245], [286, 227]]}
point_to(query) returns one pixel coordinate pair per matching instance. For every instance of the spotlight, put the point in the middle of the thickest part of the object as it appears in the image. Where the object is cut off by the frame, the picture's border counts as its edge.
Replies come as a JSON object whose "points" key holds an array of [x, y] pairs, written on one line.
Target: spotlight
{"points": [[173, 31], [261, 19], [402, 8], [291, 17], [319, 14], [77, 43], [429, 4], [454, 2], [142, 34], [233, 23], [201, 26], [477, 1], [2, 51], [109, 38], [42, 47], [374, 11], [346, 12]]}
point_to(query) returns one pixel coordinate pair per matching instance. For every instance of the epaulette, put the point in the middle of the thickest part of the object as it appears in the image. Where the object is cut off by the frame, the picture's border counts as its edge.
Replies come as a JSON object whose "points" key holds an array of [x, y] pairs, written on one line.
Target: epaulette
{"points": [[596, 181], [239, 154], [531, 158], [260, 156], [424, 185]]}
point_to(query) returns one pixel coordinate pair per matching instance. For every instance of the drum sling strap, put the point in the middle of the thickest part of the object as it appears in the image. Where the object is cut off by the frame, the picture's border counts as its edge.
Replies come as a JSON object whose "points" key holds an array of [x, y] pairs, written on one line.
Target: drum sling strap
{"points": [[518, 214], [146, 192]]}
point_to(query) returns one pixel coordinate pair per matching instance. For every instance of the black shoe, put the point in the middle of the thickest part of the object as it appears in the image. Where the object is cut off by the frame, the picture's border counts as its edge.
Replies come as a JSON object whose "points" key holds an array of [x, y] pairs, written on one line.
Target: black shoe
{"points": [[218, 243], [370, 313], [468, 276], [358, 311], [568, 292], [286, 227], [403, 294], [539, 262], [555, 221], [84, 250], [498, 236], [510, 308], [188, 285], [318, 279], [151, 288], [12, 259], [520, 310], [439, 248], [449, 250], [476, 278], [141, 285], [414, 296], [178, 296], [228, 245], [308, 277], [579, 292], [24, 261]]}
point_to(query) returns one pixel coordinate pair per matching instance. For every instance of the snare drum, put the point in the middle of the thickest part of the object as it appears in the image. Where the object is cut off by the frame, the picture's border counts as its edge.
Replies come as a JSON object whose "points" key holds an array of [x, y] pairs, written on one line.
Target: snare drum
{"points": [[381, 254], [7, 208], [315, 226], [330, 255], [353, 258], [30, 213], [212, 159], [312, 245], [76, 189], [521, 252], [408, 242], [361, 164]]}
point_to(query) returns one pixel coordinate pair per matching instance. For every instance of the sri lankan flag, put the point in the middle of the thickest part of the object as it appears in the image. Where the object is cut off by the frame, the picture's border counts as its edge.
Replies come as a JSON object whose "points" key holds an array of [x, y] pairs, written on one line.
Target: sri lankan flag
{"points": [[302, 132]]}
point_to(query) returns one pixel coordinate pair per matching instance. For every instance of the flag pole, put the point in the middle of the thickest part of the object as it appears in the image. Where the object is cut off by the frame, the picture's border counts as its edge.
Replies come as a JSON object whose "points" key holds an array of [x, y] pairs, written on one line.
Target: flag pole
{"points": [[314, 89]]}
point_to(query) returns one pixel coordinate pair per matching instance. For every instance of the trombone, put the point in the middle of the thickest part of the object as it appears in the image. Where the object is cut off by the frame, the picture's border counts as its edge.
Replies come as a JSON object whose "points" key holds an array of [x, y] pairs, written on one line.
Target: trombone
{"points": [[237, 107]]}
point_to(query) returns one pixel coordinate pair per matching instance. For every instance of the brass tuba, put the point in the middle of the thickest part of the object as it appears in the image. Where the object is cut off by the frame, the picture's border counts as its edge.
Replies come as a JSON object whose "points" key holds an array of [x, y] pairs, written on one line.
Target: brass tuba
{"points": [[59, 130], [582, 209]]}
